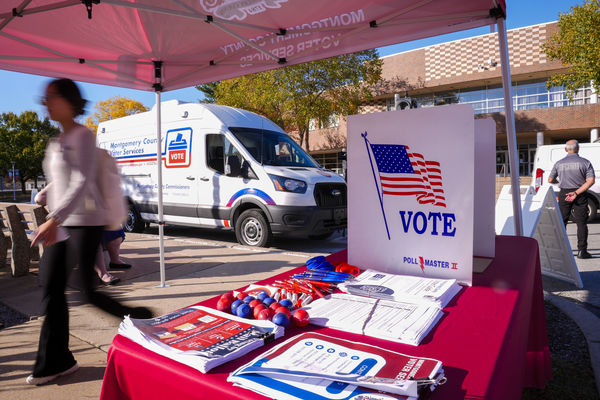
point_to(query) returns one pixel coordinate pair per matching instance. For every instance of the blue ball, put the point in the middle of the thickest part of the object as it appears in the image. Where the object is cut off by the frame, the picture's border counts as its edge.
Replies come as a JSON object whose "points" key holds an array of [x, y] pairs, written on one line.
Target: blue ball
{"points": [[281, 319], [287, 303], [262, 296], [243, 311], [268, 301], [235, 305], [248, 299]]}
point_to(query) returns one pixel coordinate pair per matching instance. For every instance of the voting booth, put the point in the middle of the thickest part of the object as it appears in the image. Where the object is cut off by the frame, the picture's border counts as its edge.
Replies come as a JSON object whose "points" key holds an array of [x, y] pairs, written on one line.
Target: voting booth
{"points": [[411, 191], [542, 221]]}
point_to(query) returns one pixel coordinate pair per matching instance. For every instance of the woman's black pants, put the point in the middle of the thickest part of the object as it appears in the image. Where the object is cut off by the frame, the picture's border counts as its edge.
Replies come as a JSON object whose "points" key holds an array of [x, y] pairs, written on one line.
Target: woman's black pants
{"points": [[58, 260]]}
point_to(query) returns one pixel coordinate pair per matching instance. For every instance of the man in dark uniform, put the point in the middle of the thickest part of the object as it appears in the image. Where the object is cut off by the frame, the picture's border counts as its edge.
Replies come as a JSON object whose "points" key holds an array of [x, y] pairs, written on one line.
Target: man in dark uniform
{"points": [[575, 177]]}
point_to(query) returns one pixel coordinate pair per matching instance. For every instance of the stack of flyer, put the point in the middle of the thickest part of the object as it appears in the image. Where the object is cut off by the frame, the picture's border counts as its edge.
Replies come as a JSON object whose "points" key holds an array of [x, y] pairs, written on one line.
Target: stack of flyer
{"points": [[200, 337], [400, 322], [404, 288], [315, 366]]}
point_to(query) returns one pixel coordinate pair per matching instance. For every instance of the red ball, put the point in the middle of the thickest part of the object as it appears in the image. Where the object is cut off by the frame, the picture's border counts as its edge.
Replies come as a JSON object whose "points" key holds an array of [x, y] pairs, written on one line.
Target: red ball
{"points": [[228, 296], [265, 314], [258, 309], [224, 304], [300, 318], [284, 310], [241, 295], [254, 303], [274, 306]]}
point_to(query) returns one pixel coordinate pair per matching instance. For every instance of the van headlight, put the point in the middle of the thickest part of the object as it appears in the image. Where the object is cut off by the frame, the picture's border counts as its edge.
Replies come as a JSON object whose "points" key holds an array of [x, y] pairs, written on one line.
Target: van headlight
{"points": [[288, 184]]}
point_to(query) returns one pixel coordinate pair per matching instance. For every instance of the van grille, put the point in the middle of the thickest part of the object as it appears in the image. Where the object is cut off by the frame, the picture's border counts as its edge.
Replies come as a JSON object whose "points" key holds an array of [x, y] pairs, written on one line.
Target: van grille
{"points": [[325, 197]]}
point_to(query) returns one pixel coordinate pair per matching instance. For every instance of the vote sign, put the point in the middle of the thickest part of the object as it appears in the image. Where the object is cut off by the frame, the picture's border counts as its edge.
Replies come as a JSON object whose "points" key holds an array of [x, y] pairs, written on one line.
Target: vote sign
{"points": [[410, 191], [179, 148]]}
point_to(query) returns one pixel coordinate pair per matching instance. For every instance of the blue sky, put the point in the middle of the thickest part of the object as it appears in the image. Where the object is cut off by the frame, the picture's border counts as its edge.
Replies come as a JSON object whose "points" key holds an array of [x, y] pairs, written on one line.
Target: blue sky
{"points": [[21, 92]]}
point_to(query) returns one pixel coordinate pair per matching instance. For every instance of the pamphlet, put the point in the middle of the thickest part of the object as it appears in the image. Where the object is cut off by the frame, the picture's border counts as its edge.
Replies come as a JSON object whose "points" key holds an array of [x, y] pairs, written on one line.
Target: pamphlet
{"points": [[200, 337], [400, 322], [382, 285], [319, 367]]}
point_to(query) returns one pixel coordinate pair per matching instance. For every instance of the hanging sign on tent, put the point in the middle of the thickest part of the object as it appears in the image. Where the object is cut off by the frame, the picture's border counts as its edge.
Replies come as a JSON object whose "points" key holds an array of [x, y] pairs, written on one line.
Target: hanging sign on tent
{"points": [[410, 191]]}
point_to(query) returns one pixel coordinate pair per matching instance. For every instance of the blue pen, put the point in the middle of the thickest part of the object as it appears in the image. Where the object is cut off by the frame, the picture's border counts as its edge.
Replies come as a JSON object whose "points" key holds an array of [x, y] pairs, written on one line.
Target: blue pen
{"points": [[329, 273], [319, 279], [322, 277]]}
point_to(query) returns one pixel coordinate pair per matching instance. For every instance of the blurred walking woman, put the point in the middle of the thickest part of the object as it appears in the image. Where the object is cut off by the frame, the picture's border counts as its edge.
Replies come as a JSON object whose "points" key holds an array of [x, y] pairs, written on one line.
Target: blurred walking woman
{"points": [[72, 231]]}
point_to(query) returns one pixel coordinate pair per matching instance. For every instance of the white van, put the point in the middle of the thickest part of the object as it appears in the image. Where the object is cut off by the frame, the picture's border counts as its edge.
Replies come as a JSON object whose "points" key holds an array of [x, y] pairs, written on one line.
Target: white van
{"points": [[547, 156], [224, 168]]}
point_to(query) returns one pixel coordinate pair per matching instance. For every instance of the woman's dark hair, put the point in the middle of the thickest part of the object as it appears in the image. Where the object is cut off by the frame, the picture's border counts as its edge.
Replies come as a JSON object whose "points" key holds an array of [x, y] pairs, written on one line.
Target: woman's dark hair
{"points": [[68, 90]]}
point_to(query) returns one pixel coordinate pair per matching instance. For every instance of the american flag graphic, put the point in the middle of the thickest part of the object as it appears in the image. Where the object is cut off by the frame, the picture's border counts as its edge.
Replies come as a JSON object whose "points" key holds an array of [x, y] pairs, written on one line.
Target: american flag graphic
{"points": [[404, 173]]}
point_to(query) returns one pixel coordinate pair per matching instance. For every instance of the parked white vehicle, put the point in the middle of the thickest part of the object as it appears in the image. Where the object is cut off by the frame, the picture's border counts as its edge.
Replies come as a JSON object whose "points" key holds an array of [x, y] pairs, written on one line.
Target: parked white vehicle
{"points": [[545, 158], [224, 168]]}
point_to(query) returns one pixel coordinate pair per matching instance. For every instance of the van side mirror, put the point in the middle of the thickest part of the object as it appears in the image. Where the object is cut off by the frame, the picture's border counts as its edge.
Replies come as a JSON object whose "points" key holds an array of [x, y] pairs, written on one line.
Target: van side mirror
{"points": [[233, 167], [247, 172]]}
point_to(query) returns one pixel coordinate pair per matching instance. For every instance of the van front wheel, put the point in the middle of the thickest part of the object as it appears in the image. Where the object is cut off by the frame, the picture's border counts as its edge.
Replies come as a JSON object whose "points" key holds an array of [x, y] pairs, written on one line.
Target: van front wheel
{"points": [[134, 222], [252, 229]]}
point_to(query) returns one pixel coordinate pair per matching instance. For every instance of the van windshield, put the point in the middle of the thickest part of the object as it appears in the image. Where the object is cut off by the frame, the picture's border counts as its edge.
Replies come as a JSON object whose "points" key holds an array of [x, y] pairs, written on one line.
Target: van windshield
{"points": [[273, 148]]}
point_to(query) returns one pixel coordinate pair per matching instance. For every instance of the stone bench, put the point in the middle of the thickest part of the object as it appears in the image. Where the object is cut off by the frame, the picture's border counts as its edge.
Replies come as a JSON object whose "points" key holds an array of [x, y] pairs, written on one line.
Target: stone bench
{"points": [[18, 222], [5, 241]]}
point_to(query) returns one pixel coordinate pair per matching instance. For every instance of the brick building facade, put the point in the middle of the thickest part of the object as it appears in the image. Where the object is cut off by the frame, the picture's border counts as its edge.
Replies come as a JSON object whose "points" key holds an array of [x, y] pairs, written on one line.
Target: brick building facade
{"points": [[468, 71]]}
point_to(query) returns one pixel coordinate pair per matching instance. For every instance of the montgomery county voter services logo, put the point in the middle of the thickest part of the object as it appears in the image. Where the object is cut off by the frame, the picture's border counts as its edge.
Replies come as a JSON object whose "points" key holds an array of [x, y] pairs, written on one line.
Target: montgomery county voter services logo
{"points": [[238, 9], [179, 142]]}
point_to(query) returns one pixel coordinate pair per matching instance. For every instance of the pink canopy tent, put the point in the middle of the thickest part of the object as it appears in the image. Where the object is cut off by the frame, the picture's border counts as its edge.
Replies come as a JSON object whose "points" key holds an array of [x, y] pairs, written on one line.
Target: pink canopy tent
{"points": [[161, 45]]}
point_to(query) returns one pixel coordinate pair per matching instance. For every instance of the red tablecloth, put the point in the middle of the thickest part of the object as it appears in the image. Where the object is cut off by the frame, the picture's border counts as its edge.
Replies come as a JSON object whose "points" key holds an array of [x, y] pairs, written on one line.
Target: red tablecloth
{"points": [[492, 342]]}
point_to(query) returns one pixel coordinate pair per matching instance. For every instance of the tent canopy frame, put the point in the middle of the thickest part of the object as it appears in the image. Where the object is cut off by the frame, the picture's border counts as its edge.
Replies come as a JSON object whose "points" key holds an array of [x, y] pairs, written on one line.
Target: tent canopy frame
{"points": [[158, 83]]}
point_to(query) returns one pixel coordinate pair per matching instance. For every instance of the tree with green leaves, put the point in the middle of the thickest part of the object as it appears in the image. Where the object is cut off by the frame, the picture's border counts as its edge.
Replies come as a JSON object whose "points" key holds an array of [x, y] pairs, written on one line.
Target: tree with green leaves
{"points": [[208, 89], [115, 107], [293, 96], [577, 45], [24, 138]]}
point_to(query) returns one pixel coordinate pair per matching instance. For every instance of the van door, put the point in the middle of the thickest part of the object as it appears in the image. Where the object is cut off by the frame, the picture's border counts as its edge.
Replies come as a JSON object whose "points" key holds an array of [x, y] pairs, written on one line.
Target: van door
{"points": [[180, 183], [222, 184]]}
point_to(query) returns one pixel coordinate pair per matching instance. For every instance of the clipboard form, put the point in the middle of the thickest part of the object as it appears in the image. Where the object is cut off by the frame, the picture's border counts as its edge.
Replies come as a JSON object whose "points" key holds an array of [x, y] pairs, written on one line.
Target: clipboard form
{"points": [[403, 288], [401, 322], [320, 367]]}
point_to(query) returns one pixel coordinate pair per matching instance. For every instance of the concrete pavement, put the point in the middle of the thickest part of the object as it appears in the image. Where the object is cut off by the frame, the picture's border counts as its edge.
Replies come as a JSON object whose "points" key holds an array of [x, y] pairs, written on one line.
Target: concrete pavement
{"points": [[196, 269], [199, 268], [582, 305]]}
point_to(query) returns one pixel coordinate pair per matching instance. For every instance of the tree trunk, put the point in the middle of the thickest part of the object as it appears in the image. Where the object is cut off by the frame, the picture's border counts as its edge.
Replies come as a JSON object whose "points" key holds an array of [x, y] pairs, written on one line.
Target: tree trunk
{"points": [[307, 145], [301, 134]]}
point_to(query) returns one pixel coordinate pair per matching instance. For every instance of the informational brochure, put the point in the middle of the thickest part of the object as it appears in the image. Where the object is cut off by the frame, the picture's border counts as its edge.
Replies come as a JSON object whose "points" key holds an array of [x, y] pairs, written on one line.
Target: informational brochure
{"points": [[382, 285], [200, 337], [319, 367], [401, 322]]}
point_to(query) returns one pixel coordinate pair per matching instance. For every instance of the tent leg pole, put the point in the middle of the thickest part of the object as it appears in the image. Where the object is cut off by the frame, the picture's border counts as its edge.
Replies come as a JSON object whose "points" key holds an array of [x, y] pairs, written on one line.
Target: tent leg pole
{"points": [[161, 224], [511, 134]]}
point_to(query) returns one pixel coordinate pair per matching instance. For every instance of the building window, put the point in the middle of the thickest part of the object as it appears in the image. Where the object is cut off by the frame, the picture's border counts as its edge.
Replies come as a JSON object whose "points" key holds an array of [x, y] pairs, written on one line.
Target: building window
{"points": [[390, 104], [526, 96], [526, 159], [332, 121]]}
